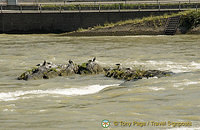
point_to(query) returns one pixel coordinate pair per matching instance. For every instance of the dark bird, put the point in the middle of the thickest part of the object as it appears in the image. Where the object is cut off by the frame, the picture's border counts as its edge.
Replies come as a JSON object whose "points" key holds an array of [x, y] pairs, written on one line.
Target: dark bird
{"points": [[44, 63], [70, 62], [118, 66], [94, 59]]}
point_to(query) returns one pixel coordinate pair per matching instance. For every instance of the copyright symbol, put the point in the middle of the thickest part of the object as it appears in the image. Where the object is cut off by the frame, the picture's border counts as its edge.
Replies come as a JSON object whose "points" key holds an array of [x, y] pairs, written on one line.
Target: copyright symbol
{"points": [[116, 123]]}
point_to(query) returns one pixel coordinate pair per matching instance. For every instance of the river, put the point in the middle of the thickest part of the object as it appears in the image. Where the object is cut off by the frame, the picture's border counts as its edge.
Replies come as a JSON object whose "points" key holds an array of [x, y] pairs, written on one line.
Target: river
{"points": [[82, 102]]}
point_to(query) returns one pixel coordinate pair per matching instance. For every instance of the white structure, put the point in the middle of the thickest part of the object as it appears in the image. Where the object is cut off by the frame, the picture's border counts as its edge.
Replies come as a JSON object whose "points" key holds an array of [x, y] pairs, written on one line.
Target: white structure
{"points": [[11, 2]]}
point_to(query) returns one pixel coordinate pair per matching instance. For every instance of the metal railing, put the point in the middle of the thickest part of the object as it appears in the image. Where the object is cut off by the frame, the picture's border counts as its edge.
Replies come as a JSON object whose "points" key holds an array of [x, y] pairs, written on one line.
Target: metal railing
{"points": [[38, 2]]}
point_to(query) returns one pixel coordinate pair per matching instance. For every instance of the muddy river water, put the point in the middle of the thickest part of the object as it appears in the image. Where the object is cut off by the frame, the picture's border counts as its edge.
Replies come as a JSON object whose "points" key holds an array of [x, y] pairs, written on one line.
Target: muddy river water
{"points": [[82, 102]]}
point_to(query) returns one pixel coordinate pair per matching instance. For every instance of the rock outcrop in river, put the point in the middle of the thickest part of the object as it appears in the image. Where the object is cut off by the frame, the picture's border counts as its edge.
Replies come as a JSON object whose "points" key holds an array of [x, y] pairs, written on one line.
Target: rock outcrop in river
{"points": [[134, 74], [48, 70]]}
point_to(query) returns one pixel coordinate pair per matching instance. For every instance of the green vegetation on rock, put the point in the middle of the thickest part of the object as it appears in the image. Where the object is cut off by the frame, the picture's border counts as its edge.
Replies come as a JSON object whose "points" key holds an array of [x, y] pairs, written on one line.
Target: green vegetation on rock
{"points": [[135, 74]]}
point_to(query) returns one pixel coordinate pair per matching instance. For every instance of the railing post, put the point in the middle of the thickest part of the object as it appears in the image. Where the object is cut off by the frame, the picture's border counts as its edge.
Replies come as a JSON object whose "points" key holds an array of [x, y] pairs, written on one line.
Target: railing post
{"points": [[20, 8], [1, 9], [179, 6], [139, 7], [99, 7], [40, 8], [196, 7], [159, 6], [60, 8], [119, 7], [79, 8]]}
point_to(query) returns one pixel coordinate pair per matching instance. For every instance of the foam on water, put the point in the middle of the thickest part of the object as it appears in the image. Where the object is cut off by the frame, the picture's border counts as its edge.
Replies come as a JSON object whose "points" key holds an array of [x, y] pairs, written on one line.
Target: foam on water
{"points": [[9, 96], [156, 88], [196, 65], [176, 67], [176, 85]]}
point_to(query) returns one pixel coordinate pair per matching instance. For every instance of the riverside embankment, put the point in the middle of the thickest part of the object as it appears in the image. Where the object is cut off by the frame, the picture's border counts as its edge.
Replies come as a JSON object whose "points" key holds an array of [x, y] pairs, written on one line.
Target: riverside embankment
{"points": [[153, 25], [55, 22], [53, 18]]}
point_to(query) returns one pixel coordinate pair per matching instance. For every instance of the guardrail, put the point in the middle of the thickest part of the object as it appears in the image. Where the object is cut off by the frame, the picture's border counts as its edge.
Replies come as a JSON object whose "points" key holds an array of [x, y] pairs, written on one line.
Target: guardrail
{"points": [[38, 2], [99, 7], [103, 1]]}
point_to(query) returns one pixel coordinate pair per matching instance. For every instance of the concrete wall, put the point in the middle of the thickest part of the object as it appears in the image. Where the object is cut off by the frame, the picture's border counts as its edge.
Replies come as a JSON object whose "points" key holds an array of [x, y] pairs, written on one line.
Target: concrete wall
{"points": [[63, 22]]}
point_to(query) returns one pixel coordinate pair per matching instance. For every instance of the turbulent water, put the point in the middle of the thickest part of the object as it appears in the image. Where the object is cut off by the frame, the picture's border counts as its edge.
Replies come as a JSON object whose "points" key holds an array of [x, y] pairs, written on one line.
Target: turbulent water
{"points": [[82, 102]]}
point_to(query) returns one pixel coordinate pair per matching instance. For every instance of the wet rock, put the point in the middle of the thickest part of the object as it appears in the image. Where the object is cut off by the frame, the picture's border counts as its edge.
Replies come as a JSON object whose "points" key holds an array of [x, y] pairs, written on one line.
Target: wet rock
{"points": [[156, 73], [49, 70], [35, 73], [130, 74], [91, 67], [69, 69]]}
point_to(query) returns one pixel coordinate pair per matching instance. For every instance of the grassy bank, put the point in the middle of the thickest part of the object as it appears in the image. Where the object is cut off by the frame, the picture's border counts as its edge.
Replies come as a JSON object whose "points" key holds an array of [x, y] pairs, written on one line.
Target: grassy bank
{"points": [[190, 22], [119, 6], [153, 25]]}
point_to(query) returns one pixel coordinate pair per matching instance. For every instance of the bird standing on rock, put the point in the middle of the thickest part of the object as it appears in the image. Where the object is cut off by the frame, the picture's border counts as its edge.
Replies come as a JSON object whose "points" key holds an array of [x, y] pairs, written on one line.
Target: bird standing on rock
{"points": [[70, 62], [44, 63], [89, 61], [49, 63], [94, 59], [118, 66]]}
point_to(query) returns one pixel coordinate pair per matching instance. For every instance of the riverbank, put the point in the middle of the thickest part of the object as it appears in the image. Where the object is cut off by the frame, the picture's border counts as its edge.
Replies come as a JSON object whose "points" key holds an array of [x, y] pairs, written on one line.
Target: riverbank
{"points": [[153, 25], [56, 22]]}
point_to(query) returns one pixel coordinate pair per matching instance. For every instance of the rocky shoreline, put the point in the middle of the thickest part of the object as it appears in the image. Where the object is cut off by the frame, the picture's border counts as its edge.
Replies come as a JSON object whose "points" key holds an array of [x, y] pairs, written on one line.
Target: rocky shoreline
{"points": [[48, 70]]}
